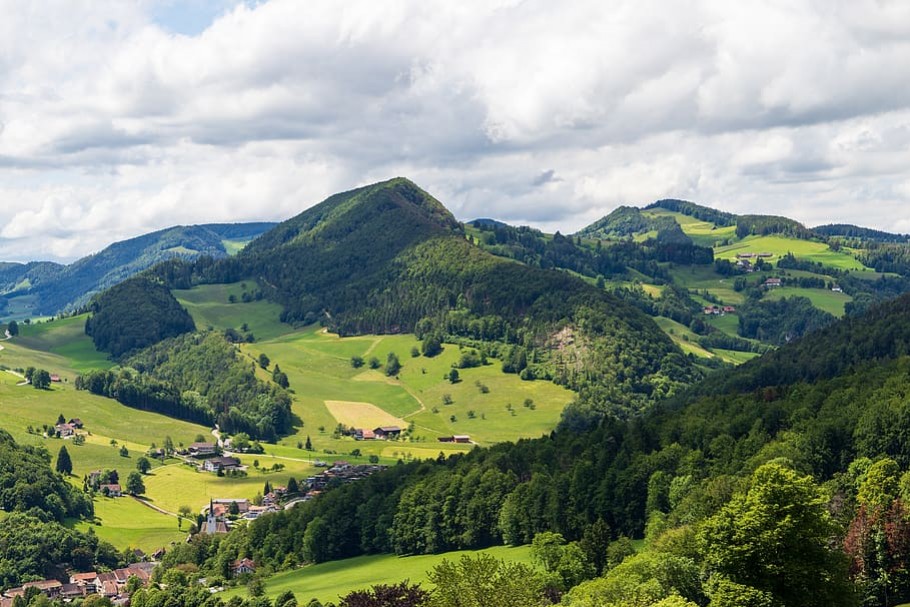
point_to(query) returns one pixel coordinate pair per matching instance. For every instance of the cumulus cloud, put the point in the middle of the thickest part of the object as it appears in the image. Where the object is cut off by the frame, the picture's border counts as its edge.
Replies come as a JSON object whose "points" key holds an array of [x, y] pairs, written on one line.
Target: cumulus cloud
{"points": [[115, 121]]}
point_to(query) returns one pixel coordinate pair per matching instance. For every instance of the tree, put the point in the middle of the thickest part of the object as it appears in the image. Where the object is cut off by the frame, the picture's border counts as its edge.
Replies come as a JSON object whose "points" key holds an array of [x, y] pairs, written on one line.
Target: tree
{"points": [[124, 452], [134, 484], [280, 377], [484, 581], [595, 542], [64, 463], [286, 599], [356, 361], [168, 445], [143, 465], [309, 444], [264, 361], [415, 352], [453, 376], [13, 328], [292, 485], [431, 346], [392, 365], [41, 379], [61, 419], [775, 538], [382, 595], [185, 511], [374, 362]]}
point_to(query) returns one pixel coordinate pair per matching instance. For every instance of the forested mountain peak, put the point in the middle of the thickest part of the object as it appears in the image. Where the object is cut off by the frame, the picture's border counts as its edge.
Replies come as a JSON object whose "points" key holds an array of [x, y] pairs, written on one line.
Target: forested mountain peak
{"points": [[414, 213]]}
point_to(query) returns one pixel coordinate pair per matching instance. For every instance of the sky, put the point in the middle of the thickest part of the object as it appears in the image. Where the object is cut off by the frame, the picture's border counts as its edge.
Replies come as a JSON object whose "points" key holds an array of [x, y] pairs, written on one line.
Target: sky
{"points": [[124, 116]]}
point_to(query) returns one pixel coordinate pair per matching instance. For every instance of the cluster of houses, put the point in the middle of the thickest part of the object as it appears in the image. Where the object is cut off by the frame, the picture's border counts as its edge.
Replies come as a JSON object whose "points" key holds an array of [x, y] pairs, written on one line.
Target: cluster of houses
{"points": [[720, 310], [111, 584], [380, 433], [339, 471]]}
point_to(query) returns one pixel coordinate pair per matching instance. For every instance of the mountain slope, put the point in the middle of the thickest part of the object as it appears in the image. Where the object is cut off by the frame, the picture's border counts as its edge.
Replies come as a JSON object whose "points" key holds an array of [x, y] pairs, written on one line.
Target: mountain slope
{"points": [[57, 287], [390, 258]]}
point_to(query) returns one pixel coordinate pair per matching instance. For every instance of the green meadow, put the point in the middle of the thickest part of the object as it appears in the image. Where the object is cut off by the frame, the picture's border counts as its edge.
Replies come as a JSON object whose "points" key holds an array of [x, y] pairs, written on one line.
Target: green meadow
{"points": [[684, 337], [329, 581], [779, 246], [823, 299], [125, 522], [702, 233]]}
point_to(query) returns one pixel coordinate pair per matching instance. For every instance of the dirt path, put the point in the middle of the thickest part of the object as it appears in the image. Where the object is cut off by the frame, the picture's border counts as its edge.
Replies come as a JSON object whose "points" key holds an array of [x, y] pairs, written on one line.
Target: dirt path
{"points": [[148, 504], [372, 347]]}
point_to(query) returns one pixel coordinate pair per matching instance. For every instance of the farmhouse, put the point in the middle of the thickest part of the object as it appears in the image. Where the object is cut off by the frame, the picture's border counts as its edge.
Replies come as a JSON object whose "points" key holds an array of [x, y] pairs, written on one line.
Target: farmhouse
{"points": [[65, 430], [76, 423], [387, 432], [201, 449], [458, 438], [220, 464], [364, 434], [772, 283], [55, 378], [242, 566], [111, 490]]}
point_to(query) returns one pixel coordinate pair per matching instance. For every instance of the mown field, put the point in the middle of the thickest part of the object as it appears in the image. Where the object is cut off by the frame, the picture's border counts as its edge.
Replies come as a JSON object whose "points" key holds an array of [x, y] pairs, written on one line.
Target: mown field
{"points": [[318, 365], [702, 233], [329, 581], [779, 246]]}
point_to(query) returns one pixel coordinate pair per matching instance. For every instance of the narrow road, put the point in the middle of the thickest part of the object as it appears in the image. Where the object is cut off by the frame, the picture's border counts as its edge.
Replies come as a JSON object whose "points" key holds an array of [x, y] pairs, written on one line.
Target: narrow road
{"points": [[148, 504]]}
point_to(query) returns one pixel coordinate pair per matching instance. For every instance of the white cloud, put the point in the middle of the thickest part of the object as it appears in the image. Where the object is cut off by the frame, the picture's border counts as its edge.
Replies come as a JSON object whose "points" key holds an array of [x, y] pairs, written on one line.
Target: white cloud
{"points": [[112, 125]]}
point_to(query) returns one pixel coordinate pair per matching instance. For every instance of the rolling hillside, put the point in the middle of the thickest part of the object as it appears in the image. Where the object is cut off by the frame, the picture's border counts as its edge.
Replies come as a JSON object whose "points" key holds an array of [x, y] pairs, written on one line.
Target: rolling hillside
{"points": [[44, 289]]}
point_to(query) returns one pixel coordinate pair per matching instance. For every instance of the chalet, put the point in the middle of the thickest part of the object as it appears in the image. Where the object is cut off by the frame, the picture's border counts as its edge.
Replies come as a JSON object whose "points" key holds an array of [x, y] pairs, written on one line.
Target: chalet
{"points": [[461, 438], [765, 255], [202, 449], [220, 464], [837, 289], [772, 283], [712, 310], [65, 430], [745, 255], [75, 423], [55, 378], [364, 434], [111, 490], [243, 566], [87, 582], [729, 309], [387, 432]]}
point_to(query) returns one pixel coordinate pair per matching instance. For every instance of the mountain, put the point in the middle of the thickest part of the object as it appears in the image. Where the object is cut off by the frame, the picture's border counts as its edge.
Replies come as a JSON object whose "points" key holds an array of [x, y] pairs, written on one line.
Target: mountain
{"points": [[860, 233], [390, 258], [52, 288]]}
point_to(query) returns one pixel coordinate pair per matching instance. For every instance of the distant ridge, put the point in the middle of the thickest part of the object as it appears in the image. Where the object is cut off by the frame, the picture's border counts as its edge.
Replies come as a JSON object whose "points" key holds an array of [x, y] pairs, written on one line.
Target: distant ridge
{"points": [[57, 287]]}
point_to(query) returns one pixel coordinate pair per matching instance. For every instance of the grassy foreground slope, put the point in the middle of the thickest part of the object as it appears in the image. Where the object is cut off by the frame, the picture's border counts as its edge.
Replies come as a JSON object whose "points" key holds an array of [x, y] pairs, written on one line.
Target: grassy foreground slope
{"points": [[329, 581]]}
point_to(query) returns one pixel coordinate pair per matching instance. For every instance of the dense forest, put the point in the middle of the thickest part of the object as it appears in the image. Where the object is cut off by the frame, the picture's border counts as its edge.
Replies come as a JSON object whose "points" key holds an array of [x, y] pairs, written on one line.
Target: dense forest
{"points": [[697, 211], [134, 314], [198, 377]]}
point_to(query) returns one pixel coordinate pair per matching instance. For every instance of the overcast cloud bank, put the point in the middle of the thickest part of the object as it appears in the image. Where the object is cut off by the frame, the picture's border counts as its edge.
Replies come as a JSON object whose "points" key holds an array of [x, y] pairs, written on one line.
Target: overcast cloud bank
{"points": [[112, 124]]}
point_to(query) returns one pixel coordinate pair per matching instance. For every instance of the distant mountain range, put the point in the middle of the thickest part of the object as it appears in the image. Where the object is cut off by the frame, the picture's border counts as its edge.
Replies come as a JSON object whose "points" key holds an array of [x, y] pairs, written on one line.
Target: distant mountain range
{"points": [[46, 288]]}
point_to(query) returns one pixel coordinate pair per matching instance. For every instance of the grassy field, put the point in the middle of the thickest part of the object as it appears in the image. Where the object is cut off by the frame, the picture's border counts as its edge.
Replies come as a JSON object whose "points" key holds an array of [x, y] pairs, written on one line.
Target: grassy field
{"points": [[209, 306], [702, 233], [65, 338], [329, 581], [318, 366], [704, 278], [124, 522], [683, 336], [779, 246], [823, 299]]}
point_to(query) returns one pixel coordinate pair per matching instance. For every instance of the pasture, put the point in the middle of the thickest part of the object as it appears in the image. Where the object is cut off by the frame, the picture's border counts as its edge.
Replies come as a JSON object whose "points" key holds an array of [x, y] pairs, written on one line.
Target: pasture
{"points": [[329, 581], [362, 415], [779, 246]]}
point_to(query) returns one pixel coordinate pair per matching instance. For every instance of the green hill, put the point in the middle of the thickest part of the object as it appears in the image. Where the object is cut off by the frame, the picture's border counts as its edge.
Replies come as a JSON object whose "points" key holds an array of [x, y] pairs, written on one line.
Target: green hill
{"points": [[51, 288], [389, 258]]}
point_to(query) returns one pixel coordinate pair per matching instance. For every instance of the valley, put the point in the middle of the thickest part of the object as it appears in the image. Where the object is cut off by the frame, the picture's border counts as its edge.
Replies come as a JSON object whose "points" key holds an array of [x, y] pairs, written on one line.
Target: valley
{"points": [[608, 385]]}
